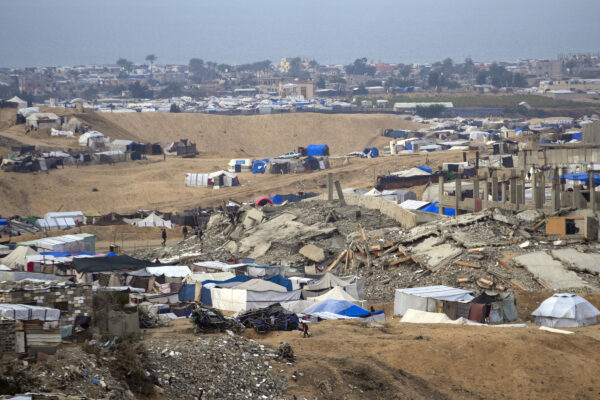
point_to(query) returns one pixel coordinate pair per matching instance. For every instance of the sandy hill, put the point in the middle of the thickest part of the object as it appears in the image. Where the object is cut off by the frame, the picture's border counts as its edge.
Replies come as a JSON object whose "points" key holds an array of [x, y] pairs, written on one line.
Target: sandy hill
{"points": [[260, 135]]}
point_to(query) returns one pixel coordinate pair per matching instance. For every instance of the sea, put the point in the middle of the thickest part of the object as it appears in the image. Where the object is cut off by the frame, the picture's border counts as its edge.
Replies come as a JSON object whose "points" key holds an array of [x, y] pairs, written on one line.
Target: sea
{"points": [[81, 32]]}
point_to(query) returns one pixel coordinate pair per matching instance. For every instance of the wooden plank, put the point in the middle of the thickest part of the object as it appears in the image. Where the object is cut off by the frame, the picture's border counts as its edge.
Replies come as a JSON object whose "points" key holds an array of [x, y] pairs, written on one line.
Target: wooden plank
{"points": [[337, 260], [400, 260], [518, 285], [390, 250], [347, 260], [376, 247], [502, 264], [477, 250], [466, 264], [541, 282]]}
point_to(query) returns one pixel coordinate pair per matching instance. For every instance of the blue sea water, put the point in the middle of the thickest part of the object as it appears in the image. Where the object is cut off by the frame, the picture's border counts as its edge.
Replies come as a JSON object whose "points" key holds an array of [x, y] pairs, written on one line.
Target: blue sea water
{"points": [[75, 32]]}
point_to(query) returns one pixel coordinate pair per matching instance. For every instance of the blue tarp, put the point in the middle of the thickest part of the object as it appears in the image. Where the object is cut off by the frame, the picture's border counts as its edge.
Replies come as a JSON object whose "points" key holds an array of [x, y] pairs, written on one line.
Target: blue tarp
{"points": [[258, 166], [544, 140], [280, 280], [339, 307], [63, 254], [187, 292], [290, 198], [582, 177], [433, 208], [372, 151], [3, 221], [577, 136], [425, 168], [317, 150]]}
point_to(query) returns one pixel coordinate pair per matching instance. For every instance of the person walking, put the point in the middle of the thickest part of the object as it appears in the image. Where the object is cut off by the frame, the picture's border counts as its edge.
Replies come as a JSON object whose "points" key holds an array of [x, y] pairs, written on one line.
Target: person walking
{"points": [[305, 330], [164, 236], [185, 232]]}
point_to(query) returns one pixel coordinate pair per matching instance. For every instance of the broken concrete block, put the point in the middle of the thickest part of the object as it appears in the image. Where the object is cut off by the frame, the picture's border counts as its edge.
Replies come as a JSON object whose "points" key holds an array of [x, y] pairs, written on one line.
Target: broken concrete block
{"points": [[504, 216], [253, 217], [530, 216], [583, 262], [313, 253], [551, 271]]}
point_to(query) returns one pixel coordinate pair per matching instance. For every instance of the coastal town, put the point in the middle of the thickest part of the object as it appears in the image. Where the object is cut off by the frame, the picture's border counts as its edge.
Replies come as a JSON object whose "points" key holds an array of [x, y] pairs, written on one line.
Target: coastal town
{"points": [[291, 229]]}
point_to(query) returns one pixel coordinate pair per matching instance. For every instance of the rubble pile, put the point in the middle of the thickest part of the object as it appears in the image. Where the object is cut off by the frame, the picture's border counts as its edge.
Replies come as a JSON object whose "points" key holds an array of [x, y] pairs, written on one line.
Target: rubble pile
{"points": [[272, 318], [485, 250], [212, 320], [274, 234], [214, 367]]}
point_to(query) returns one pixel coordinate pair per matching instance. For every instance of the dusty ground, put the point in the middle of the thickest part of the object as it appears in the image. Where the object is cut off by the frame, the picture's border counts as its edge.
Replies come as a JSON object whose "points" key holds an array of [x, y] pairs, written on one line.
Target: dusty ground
{"points": [[157, 184], [351, 360]]}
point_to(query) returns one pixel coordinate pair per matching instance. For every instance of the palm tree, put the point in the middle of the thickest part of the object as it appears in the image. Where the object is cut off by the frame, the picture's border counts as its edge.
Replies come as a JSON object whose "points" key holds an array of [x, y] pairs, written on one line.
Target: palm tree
{"points": [[151, 58]]}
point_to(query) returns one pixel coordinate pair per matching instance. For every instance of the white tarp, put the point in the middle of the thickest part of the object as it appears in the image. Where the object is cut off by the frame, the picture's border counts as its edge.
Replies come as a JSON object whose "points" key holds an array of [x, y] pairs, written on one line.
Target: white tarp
{"points": [[221, 266], [89, 136], [17, 258], [565, 310], [228, 299], [337, 293], [154, 220], [196, 180], [259, 285], [24, 312], [54, 224], [208, 276], [173, 271], [424, 298], [234, 299]]}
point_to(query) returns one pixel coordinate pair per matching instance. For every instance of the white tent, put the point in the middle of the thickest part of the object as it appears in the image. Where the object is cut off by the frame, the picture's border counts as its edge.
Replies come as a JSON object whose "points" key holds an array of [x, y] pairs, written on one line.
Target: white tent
{"points": [[17, 258], [565, 310], [120, 145], [251, 295], [88, 137], [155, 220], [208, 276], [337, 293], [171, 271], [424, 298], [19, 101]]}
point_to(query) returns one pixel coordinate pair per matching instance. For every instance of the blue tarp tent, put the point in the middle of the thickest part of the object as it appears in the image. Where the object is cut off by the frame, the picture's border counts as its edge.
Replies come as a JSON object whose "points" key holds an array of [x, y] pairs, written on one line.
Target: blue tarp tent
{"points": [[3, 221], [187, 292], [339, 307], [280, 280], [577, 136], [371, 152], [425, 168], [433, 208], [582, 177], [259, 166], [317, 150]]}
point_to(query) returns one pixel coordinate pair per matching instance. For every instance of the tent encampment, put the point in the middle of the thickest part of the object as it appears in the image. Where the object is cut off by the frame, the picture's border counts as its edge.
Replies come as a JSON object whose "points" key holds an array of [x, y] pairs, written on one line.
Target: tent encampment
{"points": [[565, 310], [342, 309], [253, 294], [354, 285]]}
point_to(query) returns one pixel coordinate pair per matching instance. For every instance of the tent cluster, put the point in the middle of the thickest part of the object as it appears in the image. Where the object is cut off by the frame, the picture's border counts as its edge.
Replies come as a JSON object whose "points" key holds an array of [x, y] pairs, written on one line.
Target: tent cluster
{"points": [[215, 180], [289, 166]]}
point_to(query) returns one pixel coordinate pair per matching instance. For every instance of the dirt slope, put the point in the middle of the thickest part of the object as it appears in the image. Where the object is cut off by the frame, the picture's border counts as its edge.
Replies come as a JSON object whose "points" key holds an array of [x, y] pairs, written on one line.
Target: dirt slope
{"points": [[260, 135], [157, 184]]}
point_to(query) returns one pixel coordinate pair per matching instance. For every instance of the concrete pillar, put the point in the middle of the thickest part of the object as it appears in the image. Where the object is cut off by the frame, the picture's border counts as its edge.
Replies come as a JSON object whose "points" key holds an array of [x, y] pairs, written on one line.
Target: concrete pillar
{"points": [[503, 192], [441, 194], [520, 193], [476, 160], [476, 188], [495, 187], [592, 191], [457, 194], [537, 196], [555, 190], [464, 156], [576, 195], [329, 186], [513, 189], [485, 195], [338, 188], [522, 196]]}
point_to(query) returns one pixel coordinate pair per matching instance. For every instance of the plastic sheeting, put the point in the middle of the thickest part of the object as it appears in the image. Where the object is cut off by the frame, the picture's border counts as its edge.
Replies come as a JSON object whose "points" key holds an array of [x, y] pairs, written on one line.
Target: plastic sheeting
{"points": [[565, 310], [424, 298], [26, 312], [234, 299], [175, 271], [339, 307]]}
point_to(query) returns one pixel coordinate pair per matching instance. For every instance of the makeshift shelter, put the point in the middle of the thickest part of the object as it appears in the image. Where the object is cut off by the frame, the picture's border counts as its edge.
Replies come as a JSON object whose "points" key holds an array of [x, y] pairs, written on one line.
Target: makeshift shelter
{"points": [[240, 165], [106, 264], [564, 310], [87, 139], [260, 166], [317, 150], [342, 309], [354, 285], [23, 312], [17, 260], [262, 201], [494, 308], [170, 271], [76, 243], [371, 152], [154, 220], [214, 179], [251, 295], [337, 293], [121, 145], [429, 298]]}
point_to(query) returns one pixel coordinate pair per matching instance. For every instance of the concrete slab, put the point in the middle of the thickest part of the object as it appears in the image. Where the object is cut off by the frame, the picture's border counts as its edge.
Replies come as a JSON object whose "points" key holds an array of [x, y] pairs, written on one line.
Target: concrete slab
{"points": [[313, 253], [438, 254], [549, 270], [426, 245], [583, 262]]}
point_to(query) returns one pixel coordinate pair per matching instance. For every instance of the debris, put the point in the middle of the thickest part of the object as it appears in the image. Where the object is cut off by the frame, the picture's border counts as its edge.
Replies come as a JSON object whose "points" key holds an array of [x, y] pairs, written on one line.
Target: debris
{"points": [[285, 352], [313, 253], [211, 320], [272, 318]]}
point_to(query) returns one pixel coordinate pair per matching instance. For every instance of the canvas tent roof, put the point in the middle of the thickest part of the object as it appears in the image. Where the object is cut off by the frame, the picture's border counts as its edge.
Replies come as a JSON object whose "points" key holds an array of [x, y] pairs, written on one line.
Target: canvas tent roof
{"points": [[155, 220], [329, 281], [171, 271], [565, 310], [17, 257], [101, 264], [259, 285], [208, 276], [411, 172], [424, 298], [337, 293], [339, 307]]}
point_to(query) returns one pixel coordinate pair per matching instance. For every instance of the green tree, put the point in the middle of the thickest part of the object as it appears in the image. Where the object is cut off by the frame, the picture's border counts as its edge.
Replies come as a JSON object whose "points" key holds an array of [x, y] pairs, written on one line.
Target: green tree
{"points": [[482, 76], [139, 91], [404, 70], [360, 67], [173, 89], [321, 82], [433, 79], [151, 58], [174, 108], [125, 64], [432, 111]]}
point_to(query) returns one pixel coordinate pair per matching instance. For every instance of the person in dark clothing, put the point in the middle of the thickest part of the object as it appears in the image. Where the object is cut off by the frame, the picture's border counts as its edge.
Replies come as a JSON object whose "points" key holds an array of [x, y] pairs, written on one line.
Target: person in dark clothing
{"points": [[200, 233], [164, 237], [305, 330], [196, 231], [185, 232]]}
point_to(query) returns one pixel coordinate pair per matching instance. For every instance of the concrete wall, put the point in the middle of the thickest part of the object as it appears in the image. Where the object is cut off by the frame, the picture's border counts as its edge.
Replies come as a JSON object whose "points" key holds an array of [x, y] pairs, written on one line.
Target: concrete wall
{"points": [[405, 218], [8, 329], [591, 133], [559, 157]]}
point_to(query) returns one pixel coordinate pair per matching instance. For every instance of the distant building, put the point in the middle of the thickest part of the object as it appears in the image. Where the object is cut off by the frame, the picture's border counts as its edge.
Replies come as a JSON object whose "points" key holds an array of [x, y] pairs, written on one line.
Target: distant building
{"points": [[285, 65], [305, 89], [412, 107], [572, 84], [43, 120]]}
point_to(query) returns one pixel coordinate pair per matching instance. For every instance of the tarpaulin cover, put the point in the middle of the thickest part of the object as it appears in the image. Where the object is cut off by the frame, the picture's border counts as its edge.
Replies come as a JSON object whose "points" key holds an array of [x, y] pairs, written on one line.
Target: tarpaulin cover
{"points": [[317, 150], [3, 221], [425, 298], [290, 198], [426, 169], [187, 292], [281, 280], [565, 310], [371, 151], [259, 166], [577, 136], [24, 312], [433, 208], [101, 264], [582, 177], [339, 307]]}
